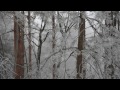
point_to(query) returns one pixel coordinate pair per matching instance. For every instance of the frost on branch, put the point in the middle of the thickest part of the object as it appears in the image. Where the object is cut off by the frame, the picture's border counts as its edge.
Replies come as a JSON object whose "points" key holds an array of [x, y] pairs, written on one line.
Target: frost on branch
{"points": [[6, 67]]}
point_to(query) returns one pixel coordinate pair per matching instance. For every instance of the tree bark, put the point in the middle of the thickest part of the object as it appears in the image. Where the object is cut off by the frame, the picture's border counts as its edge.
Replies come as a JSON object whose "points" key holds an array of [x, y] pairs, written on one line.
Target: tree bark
{"points": [[81, 39], [19, 48], [39, 50], [53, 45], [29, 28]]}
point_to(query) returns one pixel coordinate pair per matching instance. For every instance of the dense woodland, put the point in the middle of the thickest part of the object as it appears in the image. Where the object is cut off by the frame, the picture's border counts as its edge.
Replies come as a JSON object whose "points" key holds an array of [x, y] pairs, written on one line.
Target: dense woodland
{"points": [[59, 45]]}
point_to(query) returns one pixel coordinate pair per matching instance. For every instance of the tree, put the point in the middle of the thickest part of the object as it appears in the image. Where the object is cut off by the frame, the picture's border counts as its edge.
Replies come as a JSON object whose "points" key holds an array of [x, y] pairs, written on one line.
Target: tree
{"points": [[53, 45], [40, 41], [81, 40], [29, 29], [110, 50], [19, 46]]}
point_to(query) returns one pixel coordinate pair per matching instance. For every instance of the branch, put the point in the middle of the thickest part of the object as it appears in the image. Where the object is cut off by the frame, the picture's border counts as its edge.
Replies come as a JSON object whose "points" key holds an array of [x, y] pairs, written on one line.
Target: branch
{"points": [[45, 37], [93, 27]]}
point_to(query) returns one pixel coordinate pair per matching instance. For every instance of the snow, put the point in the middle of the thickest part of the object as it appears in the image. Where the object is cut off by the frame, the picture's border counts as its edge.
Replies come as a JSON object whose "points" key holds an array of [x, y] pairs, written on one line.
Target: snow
{"points": [[101, 56]]}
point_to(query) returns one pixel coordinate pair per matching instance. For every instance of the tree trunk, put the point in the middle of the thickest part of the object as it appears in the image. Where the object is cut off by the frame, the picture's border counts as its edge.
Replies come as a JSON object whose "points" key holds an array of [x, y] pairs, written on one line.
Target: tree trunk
{"points": [[40, 48], [53, 46], [39, 51], [19, 48], [29, 28], [81, 39]]}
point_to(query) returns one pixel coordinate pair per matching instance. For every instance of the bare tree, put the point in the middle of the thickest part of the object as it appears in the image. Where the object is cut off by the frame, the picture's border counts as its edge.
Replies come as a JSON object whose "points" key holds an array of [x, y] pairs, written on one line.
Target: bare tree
{"points": [[29, 28], [19, 47], [53, 45], [42, 28], [81, 40], [110, 68]]}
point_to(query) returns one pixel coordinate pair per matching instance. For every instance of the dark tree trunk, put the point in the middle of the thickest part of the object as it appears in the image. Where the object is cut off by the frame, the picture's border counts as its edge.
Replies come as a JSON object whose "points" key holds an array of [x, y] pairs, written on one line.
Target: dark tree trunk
{"points": [[29, 28], [19, 48], [39, 50], [81, 39], [53, 45]]}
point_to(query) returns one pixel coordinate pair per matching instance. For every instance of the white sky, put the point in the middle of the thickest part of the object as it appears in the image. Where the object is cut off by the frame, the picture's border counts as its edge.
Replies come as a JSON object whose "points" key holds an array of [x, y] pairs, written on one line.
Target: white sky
{"points": [[89, 31]]}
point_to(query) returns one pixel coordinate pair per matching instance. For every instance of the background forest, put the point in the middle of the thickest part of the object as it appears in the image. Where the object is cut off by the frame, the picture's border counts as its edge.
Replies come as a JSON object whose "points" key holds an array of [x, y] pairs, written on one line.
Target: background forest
{"points": [[59, 45]]}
